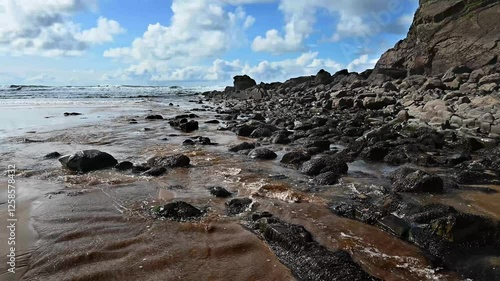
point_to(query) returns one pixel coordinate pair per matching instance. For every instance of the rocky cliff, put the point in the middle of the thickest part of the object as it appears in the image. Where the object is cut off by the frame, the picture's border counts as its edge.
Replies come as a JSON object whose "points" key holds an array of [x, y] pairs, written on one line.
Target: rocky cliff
{"points": [[447, 33]]}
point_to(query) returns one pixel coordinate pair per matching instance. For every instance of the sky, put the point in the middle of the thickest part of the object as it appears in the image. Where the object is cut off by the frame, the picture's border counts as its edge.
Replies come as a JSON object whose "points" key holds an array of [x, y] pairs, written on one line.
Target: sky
{"points": [[192, 42]]}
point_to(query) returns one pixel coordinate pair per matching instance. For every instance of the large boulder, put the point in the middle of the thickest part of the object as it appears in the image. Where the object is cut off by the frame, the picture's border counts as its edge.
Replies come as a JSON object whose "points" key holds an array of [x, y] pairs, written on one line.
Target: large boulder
{"points": [[416, 181], [323, 77], [88, 160], [325, 164], [448, 33], [243, 82]]}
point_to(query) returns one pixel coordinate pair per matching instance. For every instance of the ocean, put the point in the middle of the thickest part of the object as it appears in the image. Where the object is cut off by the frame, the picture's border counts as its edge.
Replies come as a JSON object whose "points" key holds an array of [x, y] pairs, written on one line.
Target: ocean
{"points": [[35, 108]]}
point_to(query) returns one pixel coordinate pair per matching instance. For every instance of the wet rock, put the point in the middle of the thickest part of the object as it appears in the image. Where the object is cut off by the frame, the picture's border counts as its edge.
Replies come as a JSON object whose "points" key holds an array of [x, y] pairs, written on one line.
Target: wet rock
{"points": [[52, 155], [173, 161], [212, 122], [72, 113], [394, 225], [245, 130], [322, 145], [328, 178], [411, 180], [178, 211], [238, 205], [375, 153], [308, 260], [154, 117], [325, 164], [125, 165], [155, 172], [262, 153], [295, 158], [261, 132], [189, 126], [280, 138], [456, 159], [140, 168], [219, 191], [242, 146], [475, 177], [88, 160], [204, 141], [188, 142]]}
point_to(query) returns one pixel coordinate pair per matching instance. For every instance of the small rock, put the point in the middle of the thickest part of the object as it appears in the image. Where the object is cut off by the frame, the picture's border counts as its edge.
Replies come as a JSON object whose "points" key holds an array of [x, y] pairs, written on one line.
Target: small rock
{"points": [[262, 153], [179, 211], [125, 165], [219, 191], [238, 205], [52, 155]]}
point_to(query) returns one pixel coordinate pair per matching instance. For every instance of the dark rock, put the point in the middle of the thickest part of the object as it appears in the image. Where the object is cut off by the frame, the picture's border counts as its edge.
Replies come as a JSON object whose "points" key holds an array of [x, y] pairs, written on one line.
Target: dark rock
{"points": [[394, 225], [72, 113], [245, 130], [280, 138], [189, 126], [204, 141], [475, 177], [140, 168], [261, 132], [188, 142], [88, 160], [179, 211], [295, 158], [262, 153], [323, 77], [375, 153], [52, 155], [325, 164], [322, 145], [154, 117], [238, 205], [243, 82], [242, 146], [328, 178], [219, 191], [125, 165], [411, 180], [173, 161], [308, 260], [212, 122], [155, 172]]}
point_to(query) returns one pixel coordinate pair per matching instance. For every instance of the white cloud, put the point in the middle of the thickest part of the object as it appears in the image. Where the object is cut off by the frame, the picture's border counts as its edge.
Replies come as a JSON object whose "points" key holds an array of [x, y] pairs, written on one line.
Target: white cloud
{"points": [[102, 33], [39, 27], [357, 18], [362, 63], [199, 29], [223, 71]]}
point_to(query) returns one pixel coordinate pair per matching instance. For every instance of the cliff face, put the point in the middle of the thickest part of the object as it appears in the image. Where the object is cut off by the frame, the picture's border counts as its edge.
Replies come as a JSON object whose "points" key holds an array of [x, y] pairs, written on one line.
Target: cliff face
{"points": [[447, 33]]}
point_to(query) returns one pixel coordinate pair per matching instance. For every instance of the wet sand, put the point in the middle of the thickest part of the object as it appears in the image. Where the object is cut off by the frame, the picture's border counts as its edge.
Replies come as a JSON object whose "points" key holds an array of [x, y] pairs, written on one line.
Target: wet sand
{"points": [[96, 226]]}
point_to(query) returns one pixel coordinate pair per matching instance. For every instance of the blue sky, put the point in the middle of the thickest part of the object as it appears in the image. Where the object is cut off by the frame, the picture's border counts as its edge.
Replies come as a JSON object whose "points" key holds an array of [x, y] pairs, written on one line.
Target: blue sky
{"points": [[192, 42]]}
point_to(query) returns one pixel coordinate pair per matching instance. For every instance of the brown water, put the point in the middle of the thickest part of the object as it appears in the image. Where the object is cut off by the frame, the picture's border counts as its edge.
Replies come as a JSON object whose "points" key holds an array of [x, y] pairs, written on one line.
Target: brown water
{"points": [[96, 226]]}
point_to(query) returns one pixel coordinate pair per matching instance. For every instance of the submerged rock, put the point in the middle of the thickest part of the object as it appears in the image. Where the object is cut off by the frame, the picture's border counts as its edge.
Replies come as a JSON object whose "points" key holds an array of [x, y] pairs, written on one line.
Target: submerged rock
{"points": [[328, 178], [219, 191], [325, 164], [179, 211], [125, 165], [52, 155], [154, 117], [262, 153], [88, 160], [238, 205], [242, 146], [411, 180], [155, 172], [306, 258], [173, 161], [295, 158]]}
